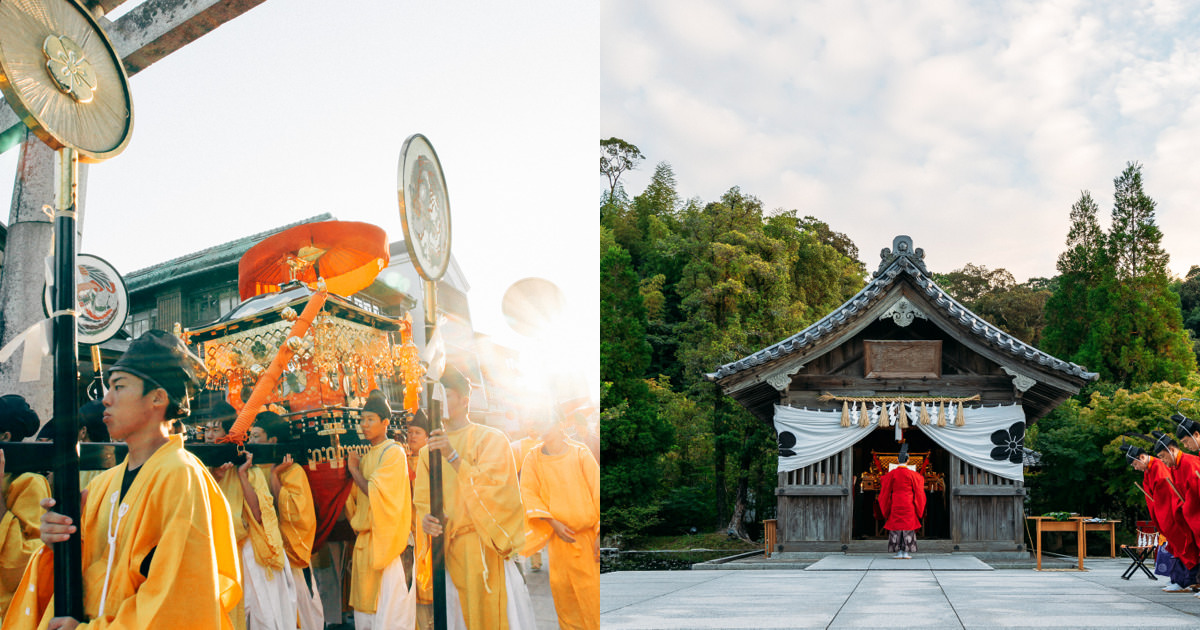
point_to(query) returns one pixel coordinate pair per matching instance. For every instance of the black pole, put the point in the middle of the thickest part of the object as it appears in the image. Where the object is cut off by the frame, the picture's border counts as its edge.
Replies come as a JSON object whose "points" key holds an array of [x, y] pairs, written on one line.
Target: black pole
{"points": [[437, 545], [68, 571]]}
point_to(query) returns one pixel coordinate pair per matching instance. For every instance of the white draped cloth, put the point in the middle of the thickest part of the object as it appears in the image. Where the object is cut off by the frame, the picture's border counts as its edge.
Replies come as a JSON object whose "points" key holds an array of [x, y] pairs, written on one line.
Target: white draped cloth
{"points": [[308, 601], [991, 439], [270, 599], [396, 607]]}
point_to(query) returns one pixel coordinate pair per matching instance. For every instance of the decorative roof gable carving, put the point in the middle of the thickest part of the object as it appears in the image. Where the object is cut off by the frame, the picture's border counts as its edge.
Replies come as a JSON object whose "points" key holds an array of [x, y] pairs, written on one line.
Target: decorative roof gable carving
{"points": [[903, 313]]}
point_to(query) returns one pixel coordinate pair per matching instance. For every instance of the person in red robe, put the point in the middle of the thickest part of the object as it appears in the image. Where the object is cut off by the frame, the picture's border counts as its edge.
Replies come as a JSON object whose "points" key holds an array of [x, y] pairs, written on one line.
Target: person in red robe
{"points": [[1184, 471], [902, 501], [1162, 503]]}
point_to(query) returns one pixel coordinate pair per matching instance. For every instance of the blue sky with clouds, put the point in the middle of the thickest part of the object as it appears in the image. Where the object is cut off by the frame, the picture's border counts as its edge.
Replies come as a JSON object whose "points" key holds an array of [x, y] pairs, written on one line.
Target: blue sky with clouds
{"points": [[972, 127]]}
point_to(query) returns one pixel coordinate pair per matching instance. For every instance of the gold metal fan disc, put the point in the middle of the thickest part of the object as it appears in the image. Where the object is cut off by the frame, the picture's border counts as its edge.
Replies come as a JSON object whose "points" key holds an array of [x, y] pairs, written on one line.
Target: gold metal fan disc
{"points": [[60, 74]]}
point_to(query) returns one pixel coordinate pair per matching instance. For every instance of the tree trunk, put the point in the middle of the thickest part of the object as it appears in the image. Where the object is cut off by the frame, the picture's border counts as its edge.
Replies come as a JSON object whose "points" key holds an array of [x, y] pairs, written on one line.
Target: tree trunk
{"points": [[719, 455], [736, 526]]}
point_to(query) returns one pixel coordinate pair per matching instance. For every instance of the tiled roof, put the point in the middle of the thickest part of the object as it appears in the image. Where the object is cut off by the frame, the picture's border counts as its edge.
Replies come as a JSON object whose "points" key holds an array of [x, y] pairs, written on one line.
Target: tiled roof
{"points": [[205, 259], [904, 260]]}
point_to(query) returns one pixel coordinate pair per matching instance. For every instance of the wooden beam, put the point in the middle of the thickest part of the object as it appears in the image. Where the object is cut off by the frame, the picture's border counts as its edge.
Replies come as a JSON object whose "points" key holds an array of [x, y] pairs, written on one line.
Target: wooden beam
{"points": [[812, 491], [988, 491], [916, 385]]}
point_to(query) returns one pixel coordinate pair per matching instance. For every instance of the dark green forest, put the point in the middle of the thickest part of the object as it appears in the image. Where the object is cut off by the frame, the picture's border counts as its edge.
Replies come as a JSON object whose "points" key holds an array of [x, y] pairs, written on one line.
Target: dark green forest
{"points": [[688, 285]]}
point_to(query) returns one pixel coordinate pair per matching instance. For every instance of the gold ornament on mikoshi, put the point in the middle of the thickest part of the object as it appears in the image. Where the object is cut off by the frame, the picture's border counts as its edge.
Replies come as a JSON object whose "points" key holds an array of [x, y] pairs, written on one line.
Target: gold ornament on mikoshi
{"points": [[61, 76]]}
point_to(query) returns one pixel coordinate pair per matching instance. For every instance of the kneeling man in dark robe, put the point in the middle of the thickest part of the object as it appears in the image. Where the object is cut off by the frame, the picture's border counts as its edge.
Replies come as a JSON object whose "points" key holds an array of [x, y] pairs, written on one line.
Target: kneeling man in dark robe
{"points": [[902, 501]]}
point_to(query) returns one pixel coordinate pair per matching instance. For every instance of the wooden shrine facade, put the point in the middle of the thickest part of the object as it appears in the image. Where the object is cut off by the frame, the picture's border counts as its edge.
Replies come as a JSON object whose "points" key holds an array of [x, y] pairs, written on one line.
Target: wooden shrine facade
{"points": [[901, 338]]}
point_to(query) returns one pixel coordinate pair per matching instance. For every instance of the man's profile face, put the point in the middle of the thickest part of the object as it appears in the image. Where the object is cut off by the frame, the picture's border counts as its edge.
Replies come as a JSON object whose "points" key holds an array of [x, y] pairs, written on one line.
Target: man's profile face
{"points": [[1139, 464], [1167, 457], [374, 428], [1190, 443], [258, 436], [127, 407], [214, 432], [457, 404], [417, 437]]}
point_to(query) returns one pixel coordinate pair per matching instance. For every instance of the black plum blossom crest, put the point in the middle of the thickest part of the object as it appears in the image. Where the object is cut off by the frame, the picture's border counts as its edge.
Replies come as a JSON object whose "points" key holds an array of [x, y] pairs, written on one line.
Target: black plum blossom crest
{"points": [[1009, 443]]}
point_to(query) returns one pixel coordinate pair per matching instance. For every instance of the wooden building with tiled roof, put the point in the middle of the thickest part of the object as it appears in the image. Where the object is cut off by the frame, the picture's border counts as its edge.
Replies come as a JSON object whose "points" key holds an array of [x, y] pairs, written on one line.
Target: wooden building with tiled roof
{"points": [[900, 361]]}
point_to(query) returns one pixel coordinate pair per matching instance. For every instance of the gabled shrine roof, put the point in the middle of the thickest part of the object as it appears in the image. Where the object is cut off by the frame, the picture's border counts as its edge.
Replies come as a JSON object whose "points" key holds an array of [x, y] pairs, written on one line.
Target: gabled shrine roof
{"points": [[903, 260]]}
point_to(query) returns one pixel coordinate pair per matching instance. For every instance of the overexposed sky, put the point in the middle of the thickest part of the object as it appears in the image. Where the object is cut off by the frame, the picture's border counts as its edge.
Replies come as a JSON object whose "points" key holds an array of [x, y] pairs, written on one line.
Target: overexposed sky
{"points": [[301, 107], [970, 126]]}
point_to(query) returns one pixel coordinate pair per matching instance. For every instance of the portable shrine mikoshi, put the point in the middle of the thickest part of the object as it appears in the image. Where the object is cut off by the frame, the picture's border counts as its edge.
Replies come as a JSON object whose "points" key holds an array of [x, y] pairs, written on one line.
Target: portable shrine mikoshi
{"points": [[312, 354]]}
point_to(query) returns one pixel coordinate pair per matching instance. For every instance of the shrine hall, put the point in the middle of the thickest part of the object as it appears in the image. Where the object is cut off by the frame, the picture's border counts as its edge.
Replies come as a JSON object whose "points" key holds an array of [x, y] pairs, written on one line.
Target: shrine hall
{"points": [[901, 360]]}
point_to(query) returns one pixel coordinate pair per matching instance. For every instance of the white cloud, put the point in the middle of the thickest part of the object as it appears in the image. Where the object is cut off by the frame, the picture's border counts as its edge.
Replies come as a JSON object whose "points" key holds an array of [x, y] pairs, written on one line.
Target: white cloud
{"points": [[973, 125]]}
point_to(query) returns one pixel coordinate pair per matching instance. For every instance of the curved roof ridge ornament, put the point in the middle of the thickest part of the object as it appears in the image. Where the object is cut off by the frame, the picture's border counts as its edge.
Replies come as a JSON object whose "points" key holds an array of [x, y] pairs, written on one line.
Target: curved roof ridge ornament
{"points": [[901, 250]]}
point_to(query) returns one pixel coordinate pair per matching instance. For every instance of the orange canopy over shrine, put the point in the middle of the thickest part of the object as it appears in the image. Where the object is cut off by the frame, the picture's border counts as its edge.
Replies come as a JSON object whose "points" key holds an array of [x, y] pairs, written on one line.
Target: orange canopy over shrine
{"points": [[347, 254]]}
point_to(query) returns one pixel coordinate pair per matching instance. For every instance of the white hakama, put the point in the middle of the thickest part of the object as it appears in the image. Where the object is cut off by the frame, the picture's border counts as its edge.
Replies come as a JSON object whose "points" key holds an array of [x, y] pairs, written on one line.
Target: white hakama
{"points": [[270, 600], [396, 607]]}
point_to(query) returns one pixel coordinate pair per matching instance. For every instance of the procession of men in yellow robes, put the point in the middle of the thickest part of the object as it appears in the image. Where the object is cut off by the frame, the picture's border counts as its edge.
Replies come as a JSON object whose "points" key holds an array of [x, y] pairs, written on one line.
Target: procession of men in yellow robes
{"points": [[168, 542]]}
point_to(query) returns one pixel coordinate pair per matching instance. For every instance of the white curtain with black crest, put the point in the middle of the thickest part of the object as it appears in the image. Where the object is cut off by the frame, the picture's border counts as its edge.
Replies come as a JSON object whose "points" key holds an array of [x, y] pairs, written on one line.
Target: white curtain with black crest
{"points": [[991, 439]]}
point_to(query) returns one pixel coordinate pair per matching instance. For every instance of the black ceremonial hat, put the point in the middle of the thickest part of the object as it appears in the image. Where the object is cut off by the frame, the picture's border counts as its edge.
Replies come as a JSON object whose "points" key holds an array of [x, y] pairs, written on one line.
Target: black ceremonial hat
{"points": [[17, 417], [454, 379], [274, 425], [1132, 452], [378, 404], [219, 412], [163, 359], [1161, 441], [903, 455], [1184, 426], [419, 419]]}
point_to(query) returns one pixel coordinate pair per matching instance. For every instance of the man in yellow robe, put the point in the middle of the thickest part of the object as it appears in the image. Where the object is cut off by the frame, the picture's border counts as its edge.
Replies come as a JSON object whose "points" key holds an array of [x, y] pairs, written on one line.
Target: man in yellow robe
{"points": [[297, 517], [560, 485], [521, 448], [484, 519], [380, 511], [270, 592], [158, 544], [422, 578], [20, 525]]}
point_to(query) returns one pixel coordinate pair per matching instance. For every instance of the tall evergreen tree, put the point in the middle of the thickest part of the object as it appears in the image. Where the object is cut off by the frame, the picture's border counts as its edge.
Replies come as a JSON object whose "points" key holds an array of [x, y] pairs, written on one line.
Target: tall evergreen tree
{"points": [[1114, 311], [1071, 309], [634, 436], [1135, 242]]}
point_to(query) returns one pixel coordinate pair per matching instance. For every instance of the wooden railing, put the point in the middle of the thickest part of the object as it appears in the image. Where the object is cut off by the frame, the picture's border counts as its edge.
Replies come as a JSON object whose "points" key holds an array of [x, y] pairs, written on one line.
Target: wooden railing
{"points": [[827, 472]]}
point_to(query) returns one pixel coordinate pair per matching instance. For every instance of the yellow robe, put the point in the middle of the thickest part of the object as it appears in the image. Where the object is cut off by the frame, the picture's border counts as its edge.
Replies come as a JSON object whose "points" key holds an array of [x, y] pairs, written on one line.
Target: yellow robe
{"points": [[484, 520], [173, 509], [297, 515], [20, 529], [566, 487], [264, 537], [521, 448], [382, 518]]}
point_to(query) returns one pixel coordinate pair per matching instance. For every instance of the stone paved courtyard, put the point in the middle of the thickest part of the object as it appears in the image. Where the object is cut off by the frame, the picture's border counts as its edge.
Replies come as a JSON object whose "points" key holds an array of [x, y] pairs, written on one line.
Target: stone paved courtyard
{"points": [[883, 593]]}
